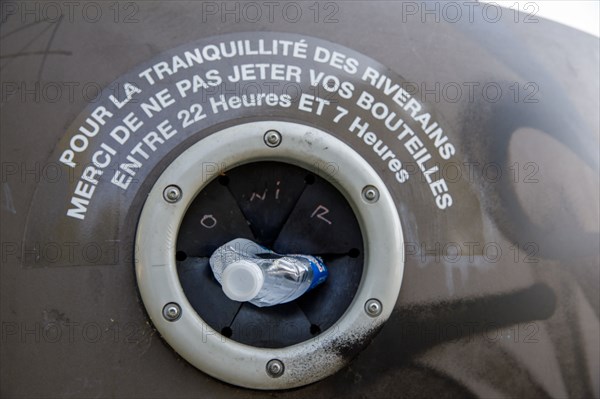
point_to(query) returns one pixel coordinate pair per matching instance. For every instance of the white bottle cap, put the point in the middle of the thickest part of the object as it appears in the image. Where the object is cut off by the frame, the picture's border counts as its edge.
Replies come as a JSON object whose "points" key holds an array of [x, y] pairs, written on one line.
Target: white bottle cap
{"points": [[242, 280]]}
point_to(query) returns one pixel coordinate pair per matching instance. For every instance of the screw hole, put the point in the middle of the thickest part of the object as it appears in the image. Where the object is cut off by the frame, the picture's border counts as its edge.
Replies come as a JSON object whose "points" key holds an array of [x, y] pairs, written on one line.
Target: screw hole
{"points": [[226, 332], [224, 180], [315, 329], [180, 256], [309, 179], [354, 253]]}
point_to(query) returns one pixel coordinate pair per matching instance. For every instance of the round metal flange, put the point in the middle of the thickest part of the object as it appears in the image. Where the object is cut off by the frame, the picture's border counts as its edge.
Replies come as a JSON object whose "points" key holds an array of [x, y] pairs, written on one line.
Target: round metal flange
{"points": [[307, 361]]}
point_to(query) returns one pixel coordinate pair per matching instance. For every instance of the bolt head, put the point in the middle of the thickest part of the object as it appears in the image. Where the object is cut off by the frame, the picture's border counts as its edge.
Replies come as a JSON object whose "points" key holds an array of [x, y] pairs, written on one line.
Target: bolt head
{"points": [[171, 311], [172, 194], [370, 194], [275, 368], [272, 138], [373, 307]]}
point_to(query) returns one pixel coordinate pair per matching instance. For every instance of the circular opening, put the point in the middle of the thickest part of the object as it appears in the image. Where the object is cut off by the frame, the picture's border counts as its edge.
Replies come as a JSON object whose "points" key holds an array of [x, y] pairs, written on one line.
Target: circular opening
{"points": [[271, 204], [290, 211]]}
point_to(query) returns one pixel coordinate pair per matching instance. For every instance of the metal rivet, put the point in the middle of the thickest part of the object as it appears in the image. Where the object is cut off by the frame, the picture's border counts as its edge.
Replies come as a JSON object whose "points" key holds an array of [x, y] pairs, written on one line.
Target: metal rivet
{"points": [[171, 311], [370, 194], [272, 138], [172, 194], [275, 368], [373, 307]]}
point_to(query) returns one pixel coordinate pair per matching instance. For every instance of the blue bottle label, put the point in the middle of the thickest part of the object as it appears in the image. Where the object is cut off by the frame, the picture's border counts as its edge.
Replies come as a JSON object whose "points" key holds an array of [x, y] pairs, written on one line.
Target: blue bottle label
{"points": [[320, 272]]}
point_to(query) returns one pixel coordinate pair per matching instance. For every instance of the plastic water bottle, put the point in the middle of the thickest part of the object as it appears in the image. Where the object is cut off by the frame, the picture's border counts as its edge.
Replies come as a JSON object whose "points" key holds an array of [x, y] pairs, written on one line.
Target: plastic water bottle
{"points": [[250, 272]]}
